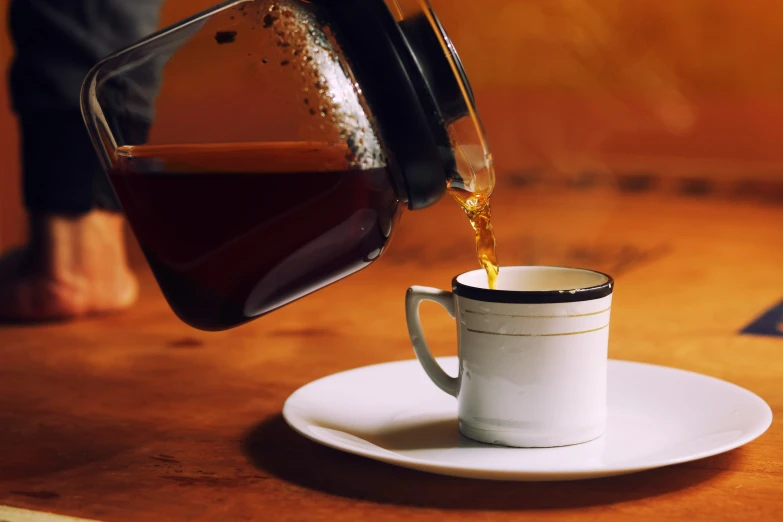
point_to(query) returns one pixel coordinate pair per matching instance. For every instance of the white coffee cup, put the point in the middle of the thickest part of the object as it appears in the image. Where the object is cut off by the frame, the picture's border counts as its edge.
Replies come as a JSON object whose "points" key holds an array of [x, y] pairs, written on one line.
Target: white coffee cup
{"points": [[532, 354]]}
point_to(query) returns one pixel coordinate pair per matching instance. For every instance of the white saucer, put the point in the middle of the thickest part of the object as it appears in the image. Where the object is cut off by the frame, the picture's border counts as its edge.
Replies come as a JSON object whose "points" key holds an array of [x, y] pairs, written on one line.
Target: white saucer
{"points": [[657, 417]]}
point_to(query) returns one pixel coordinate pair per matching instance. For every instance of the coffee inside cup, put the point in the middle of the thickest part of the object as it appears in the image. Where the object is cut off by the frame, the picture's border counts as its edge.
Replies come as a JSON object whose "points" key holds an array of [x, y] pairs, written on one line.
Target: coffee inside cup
{"points": [[536, 279]]}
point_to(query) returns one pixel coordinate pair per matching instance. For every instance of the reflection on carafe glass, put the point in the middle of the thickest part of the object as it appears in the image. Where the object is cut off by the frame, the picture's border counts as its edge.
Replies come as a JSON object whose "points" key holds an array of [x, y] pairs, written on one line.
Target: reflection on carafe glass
{"points": [[234, 231], [477, 208]]}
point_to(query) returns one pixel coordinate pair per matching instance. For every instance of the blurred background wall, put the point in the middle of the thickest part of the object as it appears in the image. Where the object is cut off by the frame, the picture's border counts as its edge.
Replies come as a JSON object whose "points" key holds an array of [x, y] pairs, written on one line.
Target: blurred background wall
{"points": [[567, 87]]}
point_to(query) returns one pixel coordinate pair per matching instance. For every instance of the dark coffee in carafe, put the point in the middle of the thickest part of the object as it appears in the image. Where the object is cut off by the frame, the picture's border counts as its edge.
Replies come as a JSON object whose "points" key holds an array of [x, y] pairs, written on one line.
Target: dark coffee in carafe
{"points": [[234, 231]]}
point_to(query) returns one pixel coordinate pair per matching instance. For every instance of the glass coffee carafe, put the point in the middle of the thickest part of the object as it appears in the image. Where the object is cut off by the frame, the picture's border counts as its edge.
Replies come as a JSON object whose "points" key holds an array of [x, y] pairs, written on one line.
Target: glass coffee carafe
{"points": [[264, 149]]}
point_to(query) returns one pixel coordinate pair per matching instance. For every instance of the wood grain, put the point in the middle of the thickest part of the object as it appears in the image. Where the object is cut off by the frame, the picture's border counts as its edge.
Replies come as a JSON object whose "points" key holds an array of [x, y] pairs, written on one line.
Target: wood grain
{"points": [[137, 417]]}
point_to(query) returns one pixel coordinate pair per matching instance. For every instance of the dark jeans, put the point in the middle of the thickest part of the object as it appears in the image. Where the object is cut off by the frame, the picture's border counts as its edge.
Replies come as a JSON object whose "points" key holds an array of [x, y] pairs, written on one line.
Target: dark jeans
{"points": [[57, 43]]}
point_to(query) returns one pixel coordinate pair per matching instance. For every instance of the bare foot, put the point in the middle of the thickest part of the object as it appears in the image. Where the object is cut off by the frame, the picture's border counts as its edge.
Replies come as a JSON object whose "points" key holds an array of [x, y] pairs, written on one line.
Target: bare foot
{"points": [[73, 267]]}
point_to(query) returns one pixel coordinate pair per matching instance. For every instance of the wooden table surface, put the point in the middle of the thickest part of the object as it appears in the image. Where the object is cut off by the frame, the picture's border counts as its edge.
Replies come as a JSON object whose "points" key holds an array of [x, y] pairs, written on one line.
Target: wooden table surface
{"points": [[138, 417]]}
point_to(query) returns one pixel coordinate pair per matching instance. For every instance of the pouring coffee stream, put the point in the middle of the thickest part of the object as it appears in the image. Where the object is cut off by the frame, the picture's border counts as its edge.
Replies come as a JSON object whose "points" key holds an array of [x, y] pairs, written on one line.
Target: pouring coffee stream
{"points": [[259, 168], [479, 212]]}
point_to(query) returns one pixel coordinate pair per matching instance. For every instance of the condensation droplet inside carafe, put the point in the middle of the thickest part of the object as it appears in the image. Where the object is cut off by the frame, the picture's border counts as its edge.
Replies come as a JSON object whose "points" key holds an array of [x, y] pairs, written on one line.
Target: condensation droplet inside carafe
{"points": [[329, 92]]}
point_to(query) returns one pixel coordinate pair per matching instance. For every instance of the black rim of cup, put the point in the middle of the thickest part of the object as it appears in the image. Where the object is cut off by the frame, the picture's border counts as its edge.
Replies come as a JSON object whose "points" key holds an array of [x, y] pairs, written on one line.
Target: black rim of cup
{"points": [[573, 295]]}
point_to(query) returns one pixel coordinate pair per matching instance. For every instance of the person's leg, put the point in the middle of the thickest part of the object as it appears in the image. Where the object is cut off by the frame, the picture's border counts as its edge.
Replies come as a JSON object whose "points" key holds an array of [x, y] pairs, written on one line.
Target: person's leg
{"points": [[75, 262]]}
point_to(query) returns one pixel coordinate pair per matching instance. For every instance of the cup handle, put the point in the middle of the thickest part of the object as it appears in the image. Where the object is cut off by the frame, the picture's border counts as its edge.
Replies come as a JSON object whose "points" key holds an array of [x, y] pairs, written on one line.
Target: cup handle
{"points": [[413, 299]]}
